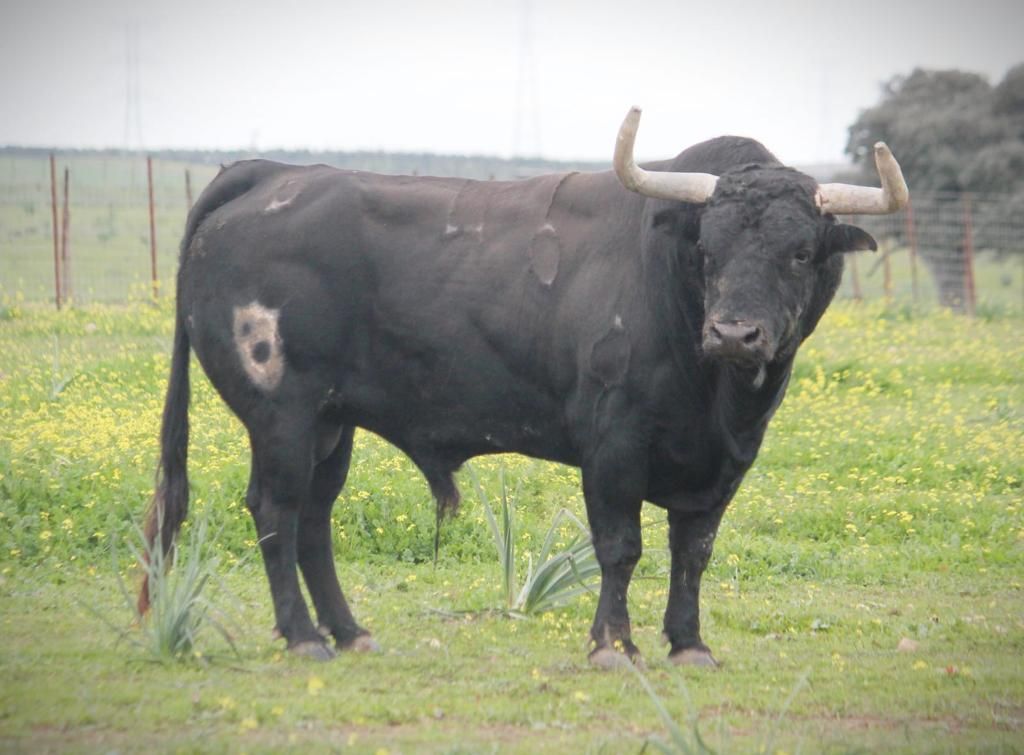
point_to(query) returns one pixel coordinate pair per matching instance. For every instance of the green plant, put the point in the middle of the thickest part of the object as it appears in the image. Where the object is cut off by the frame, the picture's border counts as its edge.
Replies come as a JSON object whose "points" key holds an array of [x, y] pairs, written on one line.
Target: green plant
{"points": [[682, 741], [688, 740], [179, 610], [58, 381], [558, 577]]}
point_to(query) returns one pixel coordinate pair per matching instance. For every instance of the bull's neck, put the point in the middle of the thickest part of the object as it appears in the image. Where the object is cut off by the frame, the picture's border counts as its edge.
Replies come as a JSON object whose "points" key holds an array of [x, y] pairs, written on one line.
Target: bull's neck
{"points": [[742, 409]]}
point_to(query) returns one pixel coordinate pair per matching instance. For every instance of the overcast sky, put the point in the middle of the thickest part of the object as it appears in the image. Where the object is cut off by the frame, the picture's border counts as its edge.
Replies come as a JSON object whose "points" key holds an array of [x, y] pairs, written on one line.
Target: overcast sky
{"points": [[460, 76]]}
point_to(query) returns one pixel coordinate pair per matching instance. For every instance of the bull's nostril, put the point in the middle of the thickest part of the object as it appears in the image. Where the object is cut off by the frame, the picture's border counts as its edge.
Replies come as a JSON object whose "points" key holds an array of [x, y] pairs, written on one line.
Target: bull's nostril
{"points": [[752, 336]]}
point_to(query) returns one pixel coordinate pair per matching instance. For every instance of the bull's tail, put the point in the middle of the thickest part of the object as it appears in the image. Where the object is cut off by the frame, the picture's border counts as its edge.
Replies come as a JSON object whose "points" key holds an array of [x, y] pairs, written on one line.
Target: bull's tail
{"points": [[169, 506]]}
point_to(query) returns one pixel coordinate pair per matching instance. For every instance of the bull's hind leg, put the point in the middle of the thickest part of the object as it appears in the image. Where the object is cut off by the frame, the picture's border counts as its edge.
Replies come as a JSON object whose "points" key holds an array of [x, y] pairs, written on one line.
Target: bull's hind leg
{"points": [[280, 484], [315, 555]]}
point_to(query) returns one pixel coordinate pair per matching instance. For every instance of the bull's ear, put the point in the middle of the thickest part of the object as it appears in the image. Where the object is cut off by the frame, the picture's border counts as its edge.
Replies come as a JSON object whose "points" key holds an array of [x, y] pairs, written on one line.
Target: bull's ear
{"points": [[848, 238], [680, 222]]}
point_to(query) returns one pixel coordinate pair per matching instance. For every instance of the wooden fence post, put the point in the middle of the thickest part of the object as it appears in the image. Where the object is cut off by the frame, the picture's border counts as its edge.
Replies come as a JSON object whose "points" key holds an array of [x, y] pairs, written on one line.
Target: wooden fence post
{"points": [[56, 236], [188, 189], [152, 228]]}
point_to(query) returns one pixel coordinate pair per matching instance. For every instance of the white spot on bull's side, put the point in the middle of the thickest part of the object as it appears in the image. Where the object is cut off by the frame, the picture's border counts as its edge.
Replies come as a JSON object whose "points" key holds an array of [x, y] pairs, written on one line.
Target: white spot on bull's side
{"points": [[284, 196], [545, 254], [617, 324], [259, 345], [277, 204], [451, 231]]}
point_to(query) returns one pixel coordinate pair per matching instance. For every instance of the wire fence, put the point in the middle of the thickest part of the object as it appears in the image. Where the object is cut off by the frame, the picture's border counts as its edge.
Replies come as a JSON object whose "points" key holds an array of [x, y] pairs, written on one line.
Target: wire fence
{"points": [[81, 229], [962, 251], [106, 229]]}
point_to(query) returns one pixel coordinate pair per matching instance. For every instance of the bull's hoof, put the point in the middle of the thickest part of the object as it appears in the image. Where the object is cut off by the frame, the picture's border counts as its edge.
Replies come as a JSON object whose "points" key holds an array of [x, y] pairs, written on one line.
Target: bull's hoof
{"points": [[317, 651], [693, 657], [606, 657], [364, 643]]}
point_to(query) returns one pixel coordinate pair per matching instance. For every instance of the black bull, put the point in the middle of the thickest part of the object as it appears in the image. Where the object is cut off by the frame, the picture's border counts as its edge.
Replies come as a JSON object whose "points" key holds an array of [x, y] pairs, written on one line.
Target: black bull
{"points": [[646, 341]]}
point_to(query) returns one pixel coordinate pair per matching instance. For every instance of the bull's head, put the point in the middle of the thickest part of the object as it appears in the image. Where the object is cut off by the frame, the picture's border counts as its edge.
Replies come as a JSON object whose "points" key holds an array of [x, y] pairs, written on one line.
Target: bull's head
{"points": [[770, 244]]}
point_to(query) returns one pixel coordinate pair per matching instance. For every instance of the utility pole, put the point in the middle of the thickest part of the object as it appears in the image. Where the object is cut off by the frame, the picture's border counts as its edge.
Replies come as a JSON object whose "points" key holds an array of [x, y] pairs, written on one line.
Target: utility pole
{"points": [[527, 113], [132, 88]]}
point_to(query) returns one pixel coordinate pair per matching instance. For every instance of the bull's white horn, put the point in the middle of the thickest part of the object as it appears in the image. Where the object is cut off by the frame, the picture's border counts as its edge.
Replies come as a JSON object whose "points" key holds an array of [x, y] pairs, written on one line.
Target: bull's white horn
{"points": [[680, 187], [847, 199]]}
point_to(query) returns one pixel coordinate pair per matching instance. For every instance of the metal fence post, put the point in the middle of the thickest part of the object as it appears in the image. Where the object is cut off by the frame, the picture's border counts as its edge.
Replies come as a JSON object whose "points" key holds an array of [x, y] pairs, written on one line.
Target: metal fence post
{"points": [[56, 237], [969, 292], [854, 273], [912, 243], [855, 278], [887, 272], [65, 247], [152, 227]]}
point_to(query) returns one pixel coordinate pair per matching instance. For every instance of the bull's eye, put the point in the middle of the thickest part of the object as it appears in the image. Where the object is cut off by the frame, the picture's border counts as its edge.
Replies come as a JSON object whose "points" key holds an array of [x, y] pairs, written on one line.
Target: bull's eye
{"points": [[803, 257]]}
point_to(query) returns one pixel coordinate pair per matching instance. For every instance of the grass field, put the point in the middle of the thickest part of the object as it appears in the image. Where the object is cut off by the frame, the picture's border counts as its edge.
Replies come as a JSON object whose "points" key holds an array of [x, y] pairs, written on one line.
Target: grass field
{"points": [[886, 505]]}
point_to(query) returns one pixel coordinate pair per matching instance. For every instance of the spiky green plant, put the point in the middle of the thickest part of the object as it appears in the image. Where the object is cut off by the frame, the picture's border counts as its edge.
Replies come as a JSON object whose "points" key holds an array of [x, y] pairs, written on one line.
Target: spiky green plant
{"points": [[179, 609], [681, 741], [688, 740], [58, 380], [552, 579]]}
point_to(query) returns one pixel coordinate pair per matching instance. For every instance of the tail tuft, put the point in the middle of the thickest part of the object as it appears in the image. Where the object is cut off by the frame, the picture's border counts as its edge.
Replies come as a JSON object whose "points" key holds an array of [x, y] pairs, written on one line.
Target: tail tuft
{"points": [[169, 505]]}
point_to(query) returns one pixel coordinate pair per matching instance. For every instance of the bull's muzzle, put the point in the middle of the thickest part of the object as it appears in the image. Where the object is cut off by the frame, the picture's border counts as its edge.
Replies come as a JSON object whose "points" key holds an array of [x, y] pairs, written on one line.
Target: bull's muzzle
{"points": [[737, 341]]}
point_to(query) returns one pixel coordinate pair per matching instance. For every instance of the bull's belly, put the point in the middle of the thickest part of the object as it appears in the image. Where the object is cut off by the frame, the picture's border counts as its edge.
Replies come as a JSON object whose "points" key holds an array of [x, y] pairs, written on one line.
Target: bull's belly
{"points": [[458, 420]]}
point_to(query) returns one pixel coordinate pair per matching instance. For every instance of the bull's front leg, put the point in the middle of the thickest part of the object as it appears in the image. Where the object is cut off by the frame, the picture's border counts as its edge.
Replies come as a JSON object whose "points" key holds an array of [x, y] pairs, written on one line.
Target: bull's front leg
{"points": [[691, 539], [613, 501]]}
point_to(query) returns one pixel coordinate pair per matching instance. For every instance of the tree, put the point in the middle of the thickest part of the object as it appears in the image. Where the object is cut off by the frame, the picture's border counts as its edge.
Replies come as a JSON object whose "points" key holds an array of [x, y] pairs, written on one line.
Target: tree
{"points": [[953, 134]]}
